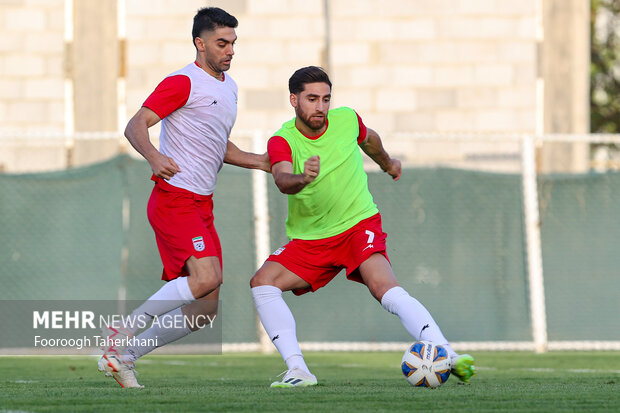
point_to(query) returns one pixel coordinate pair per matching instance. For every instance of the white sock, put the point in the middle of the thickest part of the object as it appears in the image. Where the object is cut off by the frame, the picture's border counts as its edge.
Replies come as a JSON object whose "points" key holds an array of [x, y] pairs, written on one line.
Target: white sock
{"points": [[296, 361], [157, 335], [414, 316], [171, 295], [279, 324]]}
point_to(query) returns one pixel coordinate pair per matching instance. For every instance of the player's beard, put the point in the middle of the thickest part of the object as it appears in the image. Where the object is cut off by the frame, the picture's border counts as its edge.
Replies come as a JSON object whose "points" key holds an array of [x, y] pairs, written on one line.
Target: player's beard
{"points": [[313, 124]]}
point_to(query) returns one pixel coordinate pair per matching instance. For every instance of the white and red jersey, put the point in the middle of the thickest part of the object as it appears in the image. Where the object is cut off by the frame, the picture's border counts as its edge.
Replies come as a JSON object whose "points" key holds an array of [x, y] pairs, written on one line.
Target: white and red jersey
{"points": [[198, 112]]}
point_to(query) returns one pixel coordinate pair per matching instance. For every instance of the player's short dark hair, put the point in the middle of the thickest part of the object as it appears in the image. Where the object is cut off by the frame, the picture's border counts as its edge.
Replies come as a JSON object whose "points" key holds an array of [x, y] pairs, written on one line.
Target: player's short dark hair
{"points": [[209, 18], [309, 74]]}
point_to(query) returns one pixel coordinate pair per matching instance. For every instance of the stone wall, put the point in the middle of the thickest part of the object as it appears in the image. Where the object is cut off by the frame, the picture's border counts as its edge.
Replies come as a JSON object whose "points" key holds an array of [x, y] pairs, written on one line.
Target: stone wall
{"points": [[32, 65], [404, 65]]}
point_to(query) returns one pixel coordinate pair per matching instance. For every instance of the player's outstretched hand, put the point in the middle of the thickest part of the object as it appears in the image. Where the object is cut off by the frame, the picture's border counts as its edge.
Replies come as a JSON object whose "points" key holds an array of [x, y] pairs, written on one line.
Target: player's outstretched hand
{"points": [[164, 166], [394, 169], [311, 168]]}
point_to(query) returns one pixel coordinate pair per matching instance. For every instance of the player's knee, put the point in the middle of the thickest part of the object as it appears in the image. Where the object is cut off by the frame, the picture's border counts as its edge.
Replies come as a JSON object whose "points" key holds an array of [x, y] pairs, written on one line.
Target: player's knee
{"points": [[261, 277], [206, 282], [255, 281]]}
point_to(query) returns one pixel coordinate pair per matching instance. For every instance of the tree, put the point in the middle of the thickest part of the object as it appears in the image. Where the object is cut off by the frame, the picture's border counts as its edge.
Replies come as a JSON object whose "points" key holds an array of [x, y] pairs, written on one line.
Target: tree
{"points": [[605, 66]]}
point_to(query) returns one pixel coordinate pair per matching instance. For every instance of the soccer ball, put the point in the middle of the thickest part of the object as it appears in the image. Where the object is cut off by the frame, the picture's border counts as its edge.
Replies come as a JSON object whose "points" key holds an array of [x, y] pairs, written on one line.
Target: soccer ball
{"points": [[426, 364]]}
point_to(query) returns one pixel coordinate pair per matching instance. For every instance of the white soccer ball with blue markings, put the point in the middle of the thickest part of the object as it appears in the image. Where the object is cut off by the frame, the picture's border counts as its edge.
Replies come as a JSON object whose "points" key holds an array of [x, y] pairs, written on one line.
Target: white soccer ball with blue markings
{"points": [[426, 364]]}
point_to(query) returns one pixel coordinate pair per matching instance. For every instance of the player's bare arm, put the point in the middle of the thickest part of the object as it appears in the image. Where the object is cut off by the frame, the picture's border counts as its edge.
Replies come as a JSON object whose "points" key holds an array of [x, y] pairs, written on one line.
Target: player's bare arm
{"points": [[373, 147], [237, 157], [290, 183], [137, 133]]}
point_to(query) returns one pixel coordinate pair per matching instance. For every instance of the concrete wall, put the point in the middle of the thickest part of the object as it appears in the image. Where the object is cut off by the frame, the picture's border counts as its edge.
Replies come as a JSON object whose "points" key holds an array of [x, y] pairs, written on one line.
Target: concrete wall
{"points": [[404, 65], [566, 76], [32, 65], [437, 65]]}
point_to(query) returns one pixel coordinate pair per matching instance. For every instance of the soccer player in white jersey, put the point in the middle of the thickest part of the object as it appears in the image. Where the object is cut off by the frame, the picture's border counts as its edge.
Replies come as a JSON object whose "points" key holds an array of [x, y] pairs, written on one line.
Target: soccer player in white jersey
{"points": [[198, 107]]}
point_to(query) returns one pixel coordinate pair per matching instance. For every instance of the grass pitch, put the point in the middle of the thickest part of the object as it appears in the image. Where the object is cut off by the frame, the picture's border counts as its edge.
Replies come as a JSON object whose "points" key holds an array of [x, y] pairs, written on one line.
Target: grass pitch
{"points": [[348, 382]]}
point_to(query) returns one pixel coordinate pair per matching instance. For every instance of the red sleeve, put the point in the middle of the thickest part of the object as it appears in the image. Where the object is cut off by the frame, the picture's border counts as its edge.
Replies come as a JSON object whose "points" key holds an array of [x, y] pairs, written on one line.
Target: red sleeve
{"points": [[171, 94], [363, 130], [279, 150]]}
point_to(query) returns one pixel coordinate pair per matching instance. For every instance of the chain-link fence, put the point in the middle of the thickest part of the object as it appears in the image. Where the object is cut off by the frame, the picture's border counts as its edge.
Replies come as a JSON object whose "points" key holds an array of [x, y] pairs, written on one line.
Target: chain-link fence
{"points": [[457, 239]]}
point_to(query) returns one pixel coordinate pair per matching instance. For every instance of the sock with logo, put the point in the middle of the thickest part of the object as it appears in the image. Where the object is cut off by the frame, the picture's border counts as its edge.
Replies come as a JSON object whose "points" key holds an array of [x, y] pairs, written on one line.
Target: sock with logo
{"points": [[279, 324], [415, 317]]}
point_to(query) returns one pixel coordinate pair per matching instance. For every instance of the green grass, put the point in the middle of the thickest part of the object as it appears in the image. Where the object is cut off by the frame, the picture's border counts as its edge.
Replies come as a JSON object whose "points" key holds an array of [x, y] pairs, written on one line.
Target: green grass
{"points": [[348, 382]]}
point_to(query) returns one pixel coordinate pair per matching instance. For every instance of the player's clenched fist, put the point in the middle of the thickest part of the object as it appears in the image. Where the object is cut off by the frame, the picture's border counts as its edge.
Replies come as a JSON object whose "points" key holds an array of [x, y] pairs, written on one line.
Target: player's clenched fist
{"points": [[311, 168]]}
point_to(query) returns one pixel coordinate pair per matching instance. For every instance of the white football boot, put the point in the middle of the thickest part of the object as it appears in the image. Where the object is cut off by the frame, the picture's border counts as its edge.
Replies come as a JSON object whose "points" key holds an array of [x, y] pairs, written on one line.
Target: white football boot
{"points": [[111, 364], [296, 377], [123, 372]]}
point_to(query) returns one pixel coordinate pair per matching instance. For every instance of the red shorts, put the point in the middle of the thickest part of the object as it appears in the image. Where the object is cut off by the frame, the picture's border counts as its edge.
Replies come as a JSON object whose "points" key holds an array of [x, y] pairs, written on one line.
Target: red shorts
{"points": [[183, 225], [318, 261]]}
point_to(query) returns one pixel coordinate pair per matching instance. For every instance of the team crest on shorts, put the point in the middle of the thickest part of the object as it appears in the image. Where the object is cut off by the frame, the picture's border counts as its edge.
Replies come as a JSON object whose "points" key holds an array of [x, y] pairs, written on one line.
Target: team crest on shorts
{"points": [[278, 251], [199, 243]]}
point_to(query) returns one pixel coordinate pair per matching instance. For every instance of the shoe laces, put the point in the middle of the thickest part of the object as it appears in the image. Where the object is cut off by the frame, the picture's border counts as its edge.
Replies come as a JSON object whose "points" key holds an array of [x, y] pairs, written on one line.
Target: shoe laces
{"points": [[286, 372], [302, 374]]}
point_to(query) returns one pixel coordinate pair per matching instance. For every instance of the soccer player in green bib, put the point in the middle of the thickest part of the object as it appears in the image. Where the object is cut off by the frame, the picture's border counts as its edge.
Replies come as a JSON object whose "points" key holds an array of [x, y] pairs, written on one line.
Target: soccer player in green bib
{"points": [[333, 223]]}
